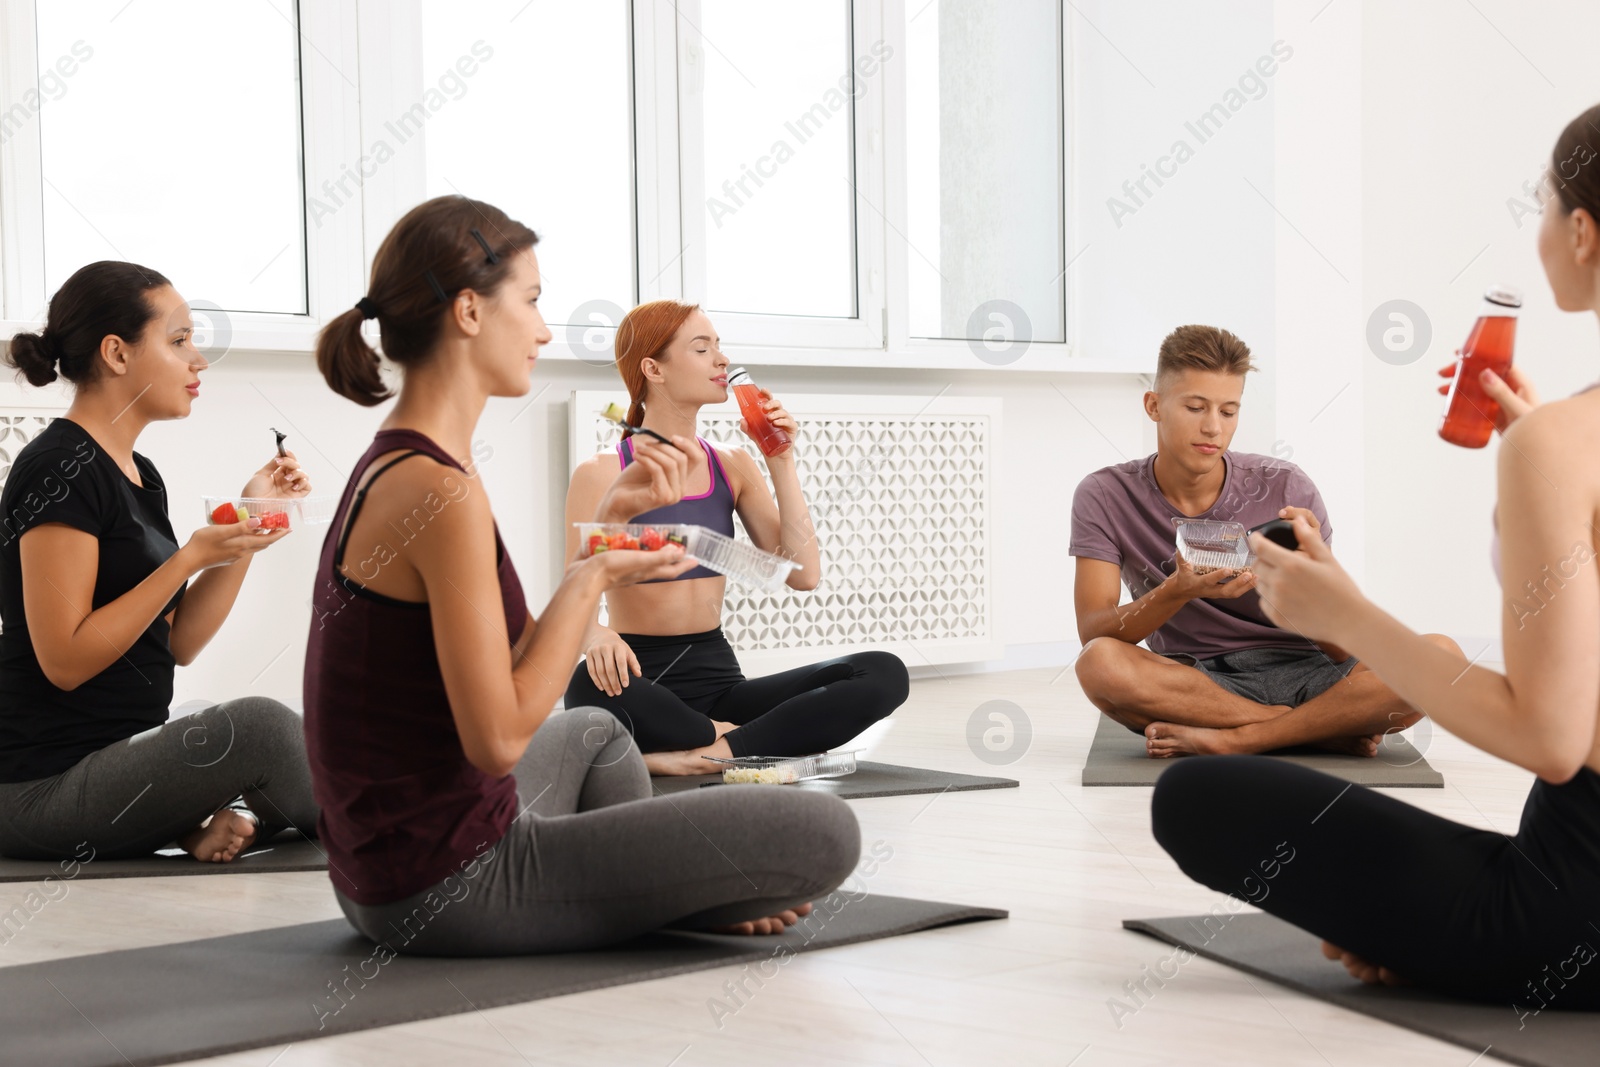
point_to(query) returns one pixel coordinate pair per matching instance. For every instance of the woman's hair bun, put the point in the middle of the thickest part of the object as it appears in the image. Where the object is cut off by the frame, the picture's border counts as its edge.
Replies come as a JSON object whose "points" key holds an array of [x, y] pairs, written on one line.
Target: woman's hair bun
{"points": [[34, 354]]}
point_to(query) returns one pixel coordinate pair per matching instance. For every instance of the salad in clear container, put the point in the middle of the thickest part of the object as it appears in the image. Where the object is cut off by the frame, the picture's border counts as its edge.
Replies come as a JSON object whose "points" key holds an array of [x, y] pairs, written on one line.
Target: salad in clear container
{"points": [[1211, 545], [742, 562], [784, 770], [269, 513]]}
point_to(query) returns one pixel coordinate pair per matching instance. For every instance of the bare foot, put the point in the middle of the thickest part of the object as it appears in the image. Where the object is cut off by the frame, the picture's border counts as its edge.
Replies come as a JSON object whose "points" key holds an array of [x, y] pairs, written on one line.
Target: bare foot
{"points": [[689, 761], [679, 763], [1164, 740], [1365, 970], [773, 924], [724, 727], [1351, 746], [220, 838]]}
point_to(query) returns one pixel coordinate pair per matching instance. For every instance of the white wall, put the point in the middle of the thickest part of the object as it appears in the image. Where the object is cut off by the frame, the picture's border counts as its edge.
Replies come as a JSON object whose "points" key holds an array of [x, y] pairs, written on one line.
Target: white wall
{"points": [[1318, 366], [1458, 110], [1199, 247]]}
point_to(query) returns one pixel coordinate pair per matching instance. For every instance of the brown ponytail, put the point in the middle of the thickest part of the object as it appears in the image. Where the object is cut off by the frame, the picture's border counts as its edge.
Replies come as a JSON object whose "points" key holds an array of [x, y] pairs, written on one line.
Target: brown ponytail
{"points": [[348, 364], [644, 333], [439, 248]]}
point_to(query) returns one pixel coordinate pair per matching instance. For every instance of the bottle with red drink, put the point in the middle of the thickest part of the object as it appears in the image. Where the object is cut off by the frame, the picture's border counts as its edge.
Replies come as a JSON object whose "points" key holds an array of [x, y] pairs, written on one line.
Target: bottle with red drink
{"points": [[773, 440], [1469, 414]]}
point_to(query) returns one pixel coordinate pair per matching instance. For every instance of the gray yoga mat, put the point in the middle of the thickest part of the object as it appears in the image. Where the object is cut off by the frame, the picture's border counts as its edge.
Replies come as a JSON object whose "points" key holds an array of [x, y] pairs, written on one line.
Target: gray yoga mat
{"points": [[869, 780], [286, 852], [1268, 947], [1117, 757], [273, 987], [291, 852]]}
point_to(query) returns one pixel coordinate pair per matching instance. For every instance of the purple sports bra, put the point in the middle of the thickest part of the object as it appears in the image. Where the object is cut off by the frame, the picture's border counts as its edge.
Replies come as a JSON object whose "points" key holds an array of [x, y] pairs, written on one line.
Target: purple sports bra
{"points": [[712, 509]]}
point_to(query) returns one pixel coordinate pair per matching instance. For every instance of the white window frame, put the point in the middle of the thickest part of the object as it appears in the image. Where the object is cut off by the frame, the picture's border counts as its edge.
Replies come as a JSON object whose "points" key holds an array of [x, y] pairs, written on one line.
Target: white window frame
{"points": [[329, 121], [359, 57], [957, 352], [865, 329]]}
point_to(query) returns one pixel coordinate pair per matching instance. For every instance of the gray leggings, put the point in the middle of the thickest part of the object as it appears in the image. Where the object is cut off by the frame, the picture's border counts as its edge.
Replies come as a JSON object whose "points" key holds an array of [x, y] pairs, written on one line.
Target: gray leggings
{"points": [[139, 795], [594, 859]]}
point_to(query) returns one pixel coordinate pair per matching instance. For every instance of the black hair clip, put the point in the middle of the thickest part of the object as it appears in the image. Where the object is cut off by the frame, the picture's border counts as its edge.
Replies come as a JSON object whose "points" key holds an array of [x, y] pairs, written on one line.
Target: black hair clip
{"points": [[438, 290], [487, 251]]}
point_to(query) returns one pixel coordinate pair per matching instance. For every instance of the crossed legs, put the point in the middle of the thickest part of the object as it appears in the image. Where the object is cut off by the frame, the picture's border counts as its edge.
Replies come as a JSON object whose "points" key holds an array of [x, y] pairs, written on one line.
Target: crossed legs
{"points": [[1181, 711]]}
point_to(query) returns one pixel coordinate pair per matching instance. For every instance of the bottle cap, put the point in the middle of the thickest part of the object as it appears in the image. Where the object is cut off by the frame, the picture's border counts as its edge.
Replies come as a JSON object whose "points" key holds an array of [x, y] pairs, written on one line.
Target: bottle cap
{"points": [[1504, 295], [739, 376]]}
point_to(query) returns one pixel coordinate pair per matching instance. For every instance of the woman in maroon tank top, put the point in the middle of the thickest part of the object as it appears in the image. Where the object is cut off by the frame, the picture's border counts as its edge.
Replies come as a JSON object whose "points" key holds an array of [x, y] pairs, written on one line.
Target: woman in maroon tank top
{"points": [[428, 682]]}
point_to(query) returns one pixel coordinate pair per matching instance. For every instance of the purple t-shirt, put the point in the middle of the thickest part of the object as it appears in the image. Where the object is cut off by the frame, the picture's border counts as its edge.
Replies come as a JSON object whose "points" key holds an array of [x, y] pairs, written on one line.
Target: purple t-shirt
{"points": [[1120, 516]]}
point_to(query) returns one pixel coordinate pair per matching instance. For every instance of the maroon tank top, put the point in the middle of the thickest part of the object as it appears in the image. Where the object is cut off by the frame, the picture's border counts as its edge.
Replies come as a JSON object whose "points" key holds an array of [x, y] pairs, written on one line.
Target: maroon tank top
{"points": [[402, 807]]}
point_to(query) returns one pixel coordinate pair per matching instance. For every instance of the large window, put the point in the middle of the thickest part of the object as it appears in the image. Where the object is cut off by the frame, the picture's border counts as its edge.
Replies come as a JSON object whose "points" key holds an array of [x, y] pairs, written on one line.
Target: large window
{"points": [[855, 182], [169, 134], [984, 200], [776, 92], [534, 115]]}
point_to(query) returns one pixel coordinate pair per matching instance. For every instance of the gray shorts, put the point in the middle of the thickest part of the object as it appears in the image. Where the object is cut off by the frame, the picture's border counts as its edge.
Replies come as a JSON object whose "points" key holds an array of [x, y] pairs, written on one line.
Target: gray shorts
{"points": [[1289, 676]]}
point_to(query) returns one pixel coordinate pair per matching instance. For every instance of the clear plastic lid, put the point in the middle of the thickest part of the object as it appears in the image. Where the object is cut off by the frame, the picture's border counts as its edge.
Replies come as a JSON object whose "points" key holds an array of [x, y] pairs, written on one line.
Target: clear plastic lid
{"points": [[1208, 544], [785, 770]]}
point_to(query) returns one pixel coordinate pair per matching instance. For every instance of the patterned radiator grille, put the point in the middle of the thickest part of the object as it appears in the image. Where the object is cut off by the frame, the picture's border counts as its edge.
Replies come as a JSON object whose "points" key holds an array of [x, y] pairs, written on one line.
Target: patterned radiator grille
{"points": [[901, 503], [17, 428]]}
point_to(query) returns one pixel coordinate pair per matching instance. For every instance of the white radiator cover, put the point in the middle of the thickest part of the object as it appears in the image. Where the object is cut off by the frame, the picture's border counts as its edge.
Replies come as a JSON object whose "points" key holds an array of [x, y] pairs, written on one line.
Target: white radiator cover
{"points": [[24, 413], [901, 492]]}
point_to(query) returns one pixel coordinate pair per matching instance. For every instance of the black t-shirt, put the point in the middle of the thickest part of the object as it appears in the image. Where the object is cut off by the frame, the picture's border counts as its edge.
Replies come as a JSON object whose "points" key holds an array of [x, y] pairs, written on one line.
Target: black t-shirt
{"points": [[64, 476]]}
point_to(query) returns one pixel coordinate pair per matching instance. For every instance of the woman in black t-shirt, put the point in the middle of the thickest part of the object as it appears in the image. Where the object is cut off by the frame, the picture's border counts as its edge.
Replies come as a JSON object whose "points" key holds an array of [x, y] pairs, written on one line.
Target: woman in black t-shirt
{"points": [[97, 607]]}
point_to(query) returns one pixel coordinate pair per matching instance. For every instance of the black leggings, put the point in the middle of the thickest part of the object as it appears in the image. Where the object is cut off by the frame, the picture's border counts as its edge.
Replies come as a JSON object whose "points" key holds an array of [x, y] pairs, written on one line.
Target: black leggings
{"points": [[1472, 913], [691, 679]]}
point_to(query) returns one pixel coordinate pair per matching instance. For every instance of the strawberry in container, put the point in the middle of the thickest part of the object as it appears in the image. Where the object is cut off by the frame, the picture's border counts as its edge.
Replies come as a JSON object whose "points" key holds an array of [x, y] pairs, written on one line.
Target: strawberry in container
{"points": [[258, 513], [635, 537]]}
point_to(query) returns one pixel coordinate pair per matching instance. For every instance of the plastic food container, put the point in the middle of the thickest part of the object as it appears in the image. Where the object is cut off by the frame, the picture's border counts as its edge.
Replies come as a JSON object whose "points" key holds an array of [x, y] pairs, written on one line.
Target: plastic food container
{"points": [[784, 770], [272, 513], [1209, 545], [742, 562], [316, 510]]}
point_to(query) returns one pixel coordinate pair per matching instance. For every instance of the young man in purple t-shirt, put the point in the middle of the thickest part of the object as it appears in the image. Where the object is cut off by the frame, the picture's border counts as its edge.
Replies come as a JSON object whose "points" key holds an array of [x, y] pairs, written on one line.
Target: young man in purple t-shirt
{"points": [[1218, 676]]}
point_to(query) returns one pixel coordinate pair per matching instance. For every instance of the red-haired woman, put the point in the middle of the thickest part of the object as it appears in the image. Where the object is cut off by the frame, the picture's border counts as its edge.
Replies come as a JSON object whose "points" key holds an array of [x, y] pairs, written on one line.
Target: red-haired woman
{"points": [[428, 680], [663, 666]]}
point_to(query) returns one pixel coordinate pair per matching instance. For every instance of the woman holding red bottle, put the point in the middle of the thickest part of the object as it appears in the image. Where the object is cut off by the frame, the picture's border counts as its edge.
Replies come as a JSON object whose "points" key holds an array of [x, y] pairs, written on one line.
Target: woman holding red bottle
{"points": [[663, 666], [1400, 895]]}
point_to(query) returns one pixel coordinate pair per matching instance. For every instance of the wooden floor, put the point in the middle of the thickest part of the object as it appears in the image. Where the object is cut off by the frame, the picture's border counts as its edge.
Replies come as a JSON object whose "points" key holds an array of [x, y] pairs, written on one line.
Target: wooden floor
{"points": [[1069, 863]]}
